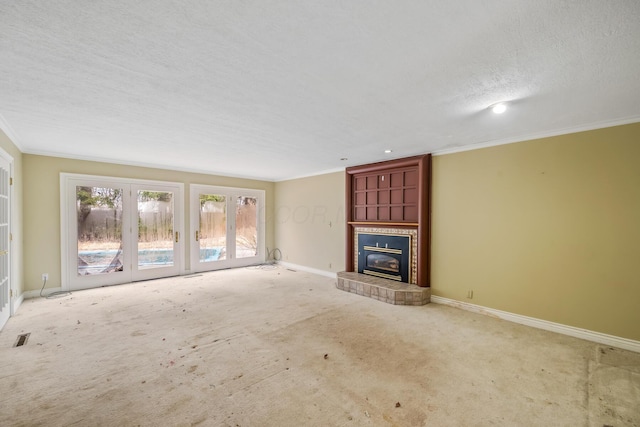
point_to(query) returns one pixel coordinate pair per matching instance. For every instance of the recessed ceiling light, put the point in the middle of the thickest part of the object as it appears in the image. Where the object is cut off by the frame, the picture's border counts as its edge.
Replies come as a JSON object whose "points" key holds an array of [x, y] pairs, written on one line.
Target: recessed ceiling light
{"points": [[499, 108], [387, 151]]}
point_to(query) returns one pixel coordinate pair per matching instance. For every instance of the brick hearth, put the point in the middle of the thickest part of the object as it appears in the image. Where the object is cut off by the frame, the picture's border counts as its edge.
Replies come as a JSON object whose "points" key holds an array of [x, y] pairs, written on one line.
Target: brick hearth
{"points": [[384, 290]]}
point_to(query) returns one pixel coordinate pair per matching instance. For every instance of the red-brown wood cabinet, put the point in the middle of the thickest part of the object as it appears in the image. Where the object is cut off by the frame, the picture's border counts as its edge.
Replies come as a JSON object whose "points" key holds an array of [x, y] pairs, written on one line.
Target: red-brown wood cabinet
{"points": [[395, 193]]}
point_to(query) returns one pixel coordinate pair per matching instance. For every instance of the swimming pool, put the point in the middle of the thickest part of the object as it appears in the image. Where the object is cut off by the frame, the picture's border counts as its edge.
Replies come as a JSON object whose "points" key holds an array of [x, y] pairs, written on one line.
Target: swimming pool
{"points": [[94, 262]]}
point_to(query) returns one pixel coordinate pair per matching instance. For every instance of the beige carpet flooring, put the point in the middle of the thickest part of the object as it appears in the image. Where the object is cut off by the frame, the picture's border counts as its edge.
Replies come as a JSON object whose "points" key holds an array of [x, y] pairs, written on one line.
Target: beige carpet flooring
{"points": [[275, 347]]}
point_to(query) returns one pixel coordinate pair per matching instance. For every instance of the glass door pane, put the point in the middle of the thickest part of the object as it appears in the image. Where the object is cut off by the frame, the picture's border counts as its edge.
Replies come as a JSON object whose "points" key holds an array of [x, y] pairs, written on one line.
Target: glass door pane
{"points": [[246, 227], [212, 235], [120, 230], [227, 225], [155, 229], [99, 223], [5, 228]]}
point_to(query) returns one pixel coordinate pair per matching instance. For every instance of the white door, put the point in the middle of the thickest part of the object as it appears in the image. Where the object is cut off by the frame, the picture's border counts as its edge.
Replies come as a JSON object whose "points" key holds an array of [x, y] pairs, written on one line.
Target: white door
{"points": [[227, 227], [158, 241], [119, 231], [4, 242]]}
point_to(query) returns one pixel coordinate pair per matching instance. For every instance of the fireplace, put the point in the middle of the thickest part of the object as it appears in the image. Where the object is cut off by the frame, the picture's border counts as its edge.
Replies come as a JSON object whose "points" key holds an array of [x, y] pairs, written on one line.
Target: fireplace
{"points": [[391, 197], [385, 255], [385, 266], [387, 231], [386, 252]]}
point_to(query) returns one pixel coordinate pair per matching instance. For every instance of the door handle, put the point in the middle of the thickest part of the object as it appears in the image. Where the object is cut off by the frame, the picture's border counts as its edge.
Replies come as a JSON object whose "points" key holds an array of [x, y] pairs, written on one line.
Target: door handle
{"points": [[197, 236], [177, 236]]}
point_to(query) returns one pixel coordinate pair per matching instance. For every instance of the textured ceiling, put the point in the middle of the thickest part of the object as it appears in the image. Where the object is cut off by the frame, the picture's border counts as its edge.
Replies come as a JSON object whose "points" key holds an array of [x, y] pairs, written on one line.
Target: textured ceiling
{"points": [[280, 89]]}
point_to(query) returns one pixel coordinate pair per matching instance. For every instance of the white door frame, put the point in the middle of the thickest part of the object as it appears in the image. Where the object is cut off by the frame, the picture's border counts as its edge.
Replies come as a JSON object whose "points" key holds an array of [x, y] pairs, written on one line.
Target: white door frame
{"points": [[231, 193], [69, 180], [12, 296], [178, 219]]}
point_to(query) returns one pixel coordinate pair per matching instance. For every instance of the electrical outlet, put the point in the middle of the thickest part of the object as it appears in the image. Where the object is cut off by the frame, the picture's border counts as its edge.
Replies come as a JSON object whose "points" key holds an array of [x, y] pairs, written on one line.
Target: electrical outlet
{"points": [[45, 276]]}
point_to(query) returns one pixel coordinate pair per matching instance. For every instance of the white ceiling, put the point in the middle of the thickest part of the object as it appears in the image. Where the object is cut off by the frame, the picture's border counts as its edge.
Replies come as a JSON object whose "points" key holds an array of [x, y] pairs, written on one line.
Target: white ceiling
{"points": [[279, 89]]}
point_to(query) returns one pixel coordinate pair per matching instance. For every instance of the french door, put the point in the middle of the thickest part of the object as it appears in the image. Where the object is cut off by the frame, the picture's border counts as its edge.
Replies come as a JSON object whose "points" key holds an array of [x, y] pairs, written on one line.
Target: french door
{"points": [[227, 227], [5, 283], [118, 230]]}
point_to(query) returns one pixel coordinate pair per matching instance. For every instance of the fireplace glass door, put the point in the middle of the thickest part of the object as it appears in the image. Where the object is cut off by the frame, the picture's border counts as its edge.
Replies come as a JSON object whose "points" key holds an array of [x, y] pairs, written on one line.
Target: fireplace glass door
{"points": [[385, 255], [383, 262]]}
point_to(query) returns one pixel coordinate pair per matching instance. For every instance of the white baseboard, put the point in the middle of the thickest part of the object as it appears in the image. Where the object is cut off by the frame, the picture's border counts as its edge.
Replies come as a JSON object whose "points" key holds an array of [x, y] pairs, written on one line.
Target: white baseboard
{"points": [[308, 269], [584, 334], [17, 303], [36, 293]]}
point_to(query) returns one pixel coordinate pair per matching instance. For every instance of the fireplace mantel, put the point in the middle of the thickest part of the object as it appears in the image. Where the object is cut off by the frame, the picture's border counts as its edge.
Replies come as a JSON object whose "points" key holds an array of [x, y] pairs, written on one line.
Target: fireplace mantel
{"points": [[391, 195]]}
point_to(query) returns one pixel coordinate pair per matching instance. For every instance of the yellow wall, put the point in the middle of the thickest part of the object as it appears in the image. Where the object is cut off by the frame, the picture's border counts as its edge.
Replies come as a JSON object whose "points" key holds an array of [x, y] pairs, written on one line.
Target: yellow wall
{"points": [[548, 228], [42, 206], [310, 221], [16, 214]]}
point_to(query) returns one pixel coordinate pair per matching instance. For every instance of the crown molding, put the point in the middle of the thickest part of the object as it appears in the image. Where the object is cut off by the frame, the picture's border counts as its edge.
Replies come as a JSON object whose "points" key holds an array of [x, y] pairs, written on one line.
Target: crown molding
{"points": [[11, 134], [539, 135]]}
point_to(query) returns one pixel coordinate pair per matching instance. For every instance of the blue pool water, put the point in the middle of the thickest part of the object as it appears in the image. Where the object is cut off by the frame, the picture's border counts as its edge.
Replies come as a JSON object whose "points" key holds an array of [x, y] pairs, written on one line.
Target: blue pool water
{"points": [[209, 254], [96, 261]]}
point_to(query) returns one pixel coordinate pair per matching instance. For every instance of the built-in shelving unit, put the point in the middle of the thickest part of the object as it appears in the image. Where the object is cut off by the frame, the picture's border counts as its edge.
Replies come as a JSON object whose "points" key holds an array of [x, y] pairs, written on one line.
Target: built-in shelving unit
{"points": [[390, 194]]}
